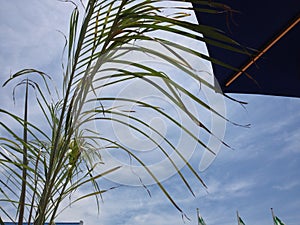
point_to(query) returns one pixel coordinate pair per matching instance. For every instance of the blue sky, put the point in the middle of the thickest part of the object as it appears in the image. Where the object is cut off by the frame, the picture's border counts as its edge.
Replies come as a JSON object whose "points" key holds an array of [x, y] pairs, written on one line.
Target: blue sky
{"points": [[262, 170]]}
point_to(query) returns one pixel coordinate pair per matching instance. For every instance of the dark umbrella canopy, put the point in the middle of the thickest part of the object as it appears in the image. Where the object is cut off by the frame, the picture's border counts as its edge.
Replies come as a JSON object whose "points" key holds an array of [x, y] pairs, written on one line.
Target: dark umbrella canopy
{"points": [[272, 28]]}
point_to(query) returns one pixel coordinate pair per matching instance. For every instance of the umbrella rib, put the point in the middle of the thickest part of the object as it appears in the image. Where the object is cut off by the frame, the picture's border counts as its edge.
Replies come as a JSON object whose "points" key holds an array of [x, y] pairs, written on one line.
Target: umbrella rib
{"points": [[284, 32]]}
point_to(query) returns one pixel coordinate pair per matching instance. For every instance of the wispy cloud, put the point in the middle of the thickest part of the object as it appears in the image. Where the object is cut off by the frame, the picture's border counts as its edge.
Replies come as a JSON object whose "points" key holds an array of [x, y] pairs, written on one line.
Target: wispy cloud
{"points": [[285, 186], [221, 189]]}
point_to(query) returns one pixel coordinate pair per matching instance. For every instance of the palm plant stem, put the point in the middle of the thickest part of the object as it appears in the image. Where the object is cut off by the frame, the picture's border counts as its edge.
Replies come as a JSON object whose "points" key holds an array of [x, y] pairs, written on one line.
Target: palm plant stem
{"points": [[25, 160]]}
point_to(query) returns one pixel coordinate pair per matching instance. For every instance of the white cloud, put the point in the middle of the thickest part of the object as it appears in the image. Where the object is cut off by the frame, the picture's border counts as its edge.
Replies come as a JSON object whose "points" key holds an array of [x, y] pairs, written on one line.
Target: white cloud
{"points": [[28, 34], [286, 186], [229, 189]]}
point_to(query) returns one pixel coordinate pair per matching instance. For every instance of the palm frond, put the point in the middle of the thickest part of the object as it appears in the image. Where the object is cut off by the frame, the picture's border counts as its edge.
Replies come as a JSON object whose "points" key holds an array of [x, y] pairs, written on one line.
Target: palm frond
{"points": [[113, 43]]}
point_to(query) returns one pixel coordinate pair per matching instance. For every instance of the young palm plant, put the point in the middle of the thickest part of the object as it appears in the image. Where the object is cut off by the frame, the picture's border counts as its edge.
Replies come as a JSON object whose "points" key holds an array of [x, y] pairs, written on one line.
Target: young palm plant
{"points": [[44, 164]]}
